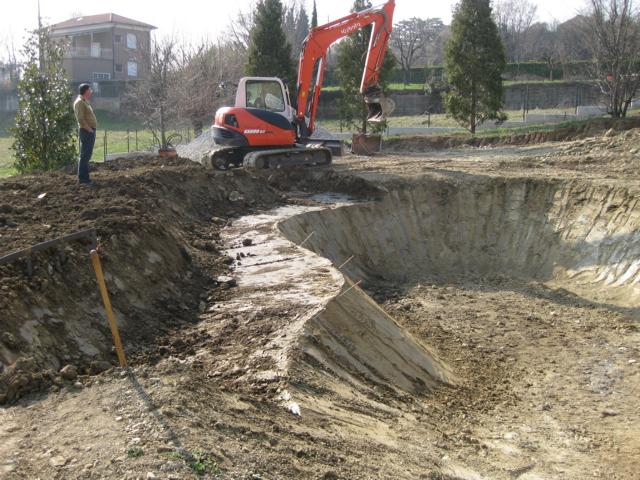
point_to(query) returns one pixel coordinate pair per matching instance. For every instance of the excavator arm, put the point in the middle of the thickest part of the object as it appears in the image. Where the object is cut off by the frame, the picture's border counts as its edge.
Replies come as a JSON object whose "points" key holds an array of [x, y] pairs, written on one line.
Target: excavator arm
{"points": [[314, 55]]}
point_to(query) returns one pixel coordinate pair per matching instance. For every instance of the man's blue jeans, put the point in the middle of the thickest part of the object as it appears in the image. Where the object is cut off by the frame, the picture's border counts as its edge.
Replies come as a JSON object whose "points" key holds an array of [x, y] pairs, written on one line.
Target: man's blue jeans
{"points": [[87, 141]]}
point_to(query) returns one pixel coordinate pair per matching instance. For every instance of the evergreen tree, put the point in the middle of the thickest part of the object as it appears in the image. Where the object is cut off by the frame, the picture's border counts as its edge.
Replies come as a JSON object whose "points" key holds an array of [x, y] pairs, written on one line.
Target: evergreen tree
{"points": [[302, 29], [314, 16], [44, 128], [474, 62], [269, 52], [351, 57]]}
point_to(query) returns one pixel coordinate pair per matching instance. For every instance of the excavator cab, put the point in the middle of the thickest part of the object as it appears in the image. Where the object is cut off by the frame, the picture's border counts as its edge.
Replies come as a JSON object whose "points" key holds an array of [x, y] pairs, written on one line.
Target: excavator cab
{"points": [[265, 93]]}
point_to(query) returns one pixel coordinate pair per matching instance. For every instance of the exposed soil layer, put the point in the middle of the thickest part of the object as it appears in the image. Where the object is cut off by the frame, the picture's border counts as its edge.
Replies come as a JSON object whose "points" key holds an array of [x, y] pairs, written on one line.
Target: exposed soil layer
{"points": [[508, 348], [158, 222]]}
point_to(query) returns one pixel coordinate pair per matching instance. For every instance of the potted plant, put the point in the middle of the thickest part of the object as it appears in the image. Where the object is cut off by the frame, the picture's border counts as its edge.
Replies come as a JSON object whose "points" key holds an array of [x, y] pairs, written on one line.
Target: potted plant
{"points": [[166, 147]]}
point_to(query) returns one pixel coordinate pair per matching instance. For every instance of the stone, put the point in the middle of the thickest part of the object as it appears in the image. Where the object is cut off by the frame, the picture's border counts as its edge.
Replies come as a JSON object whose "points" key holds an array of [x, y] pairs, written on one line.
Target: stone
{"points": [[247, 242], [235, 196], [608, 413], [69, 372], [98, 366], [58, 461], [9, 340], [151, 475]]}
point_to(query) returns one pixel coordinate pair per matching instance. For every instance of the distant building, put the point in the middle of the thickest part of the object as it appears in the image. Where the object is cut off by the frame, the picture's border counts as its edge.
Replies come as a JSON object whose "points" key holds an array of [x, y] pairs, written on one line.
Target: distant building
{"points": [[104, 50]]}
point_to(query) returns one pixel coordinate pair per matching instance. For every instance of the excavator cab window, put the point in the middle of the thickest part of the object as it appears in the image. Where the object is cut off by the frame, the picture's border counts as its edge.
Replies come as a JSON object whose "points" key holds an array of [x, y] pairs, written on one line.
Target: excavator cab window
{"points": [[265, 94]]}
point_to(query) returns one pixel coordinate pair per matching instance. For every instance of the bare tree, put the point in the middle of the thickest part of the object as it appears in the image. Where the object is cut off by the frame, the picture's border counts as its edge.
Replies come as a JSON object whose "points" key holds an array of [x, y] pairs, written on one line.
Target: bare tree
{"points": [[514, 19], [204, 72], [542, 44], [240, 28], [412, 39], [570, 36], [152, 98], [614, 35], [9, 58]]}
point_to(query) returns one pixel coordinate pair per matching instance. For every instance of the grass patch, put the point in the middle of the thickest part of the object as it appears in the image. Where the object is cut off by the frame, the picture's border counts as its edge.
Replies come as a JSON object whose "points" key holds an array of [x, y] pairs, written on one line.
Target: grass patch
{"points": [[6, 157], [135, 452], [441, 120], [200, 461]]}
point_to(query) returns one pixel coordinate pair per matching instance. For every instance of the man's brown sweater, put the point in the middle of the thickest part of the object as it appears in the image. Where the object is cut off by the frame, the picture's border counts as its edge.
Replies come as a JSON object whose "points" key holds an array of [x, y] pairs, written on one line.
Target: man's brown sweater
{"points": [[84, 114]]}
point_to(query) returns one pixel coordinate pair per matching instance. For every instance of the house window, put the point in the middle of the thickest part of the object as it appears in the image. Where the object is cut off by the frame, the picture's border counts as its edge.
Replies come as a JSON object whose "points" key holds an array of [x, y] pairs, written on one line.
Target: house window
{"points": [[132, 41], [100, 76], [117, 38], [132, 69], [118, 68]]}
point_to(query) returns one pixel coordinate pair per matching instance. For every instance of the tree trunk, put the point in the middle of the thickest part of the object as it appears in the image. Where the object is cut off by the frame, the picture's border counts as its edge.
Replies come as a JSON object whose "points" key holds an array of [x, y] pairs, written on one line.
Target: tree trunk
{"points": [[472, 125], [163, 137]]}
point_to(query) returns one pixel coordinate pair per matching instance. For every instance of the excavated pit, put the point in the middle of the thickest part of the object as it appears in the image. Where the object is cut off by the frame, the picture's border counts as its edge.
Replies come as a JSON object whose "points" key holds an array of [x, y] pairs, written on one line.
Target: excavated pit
{"points": [[571, 237], [584, 238]]}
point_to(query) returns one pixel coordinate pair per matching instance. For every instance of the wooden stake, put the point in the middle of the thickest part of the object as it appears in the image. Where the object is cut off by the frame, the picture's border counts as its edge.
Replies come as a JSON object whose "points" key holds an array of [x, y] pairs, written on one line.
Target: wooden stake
{"points": [[97, 266]]}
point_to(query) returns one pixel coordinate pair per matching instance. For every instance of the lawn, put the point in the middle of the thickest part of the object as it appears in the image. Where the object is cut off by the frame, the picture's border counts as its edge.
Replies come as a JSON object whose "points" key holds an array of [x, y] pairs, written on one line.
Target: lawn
{"points": [[6, 161], [442, 120]]}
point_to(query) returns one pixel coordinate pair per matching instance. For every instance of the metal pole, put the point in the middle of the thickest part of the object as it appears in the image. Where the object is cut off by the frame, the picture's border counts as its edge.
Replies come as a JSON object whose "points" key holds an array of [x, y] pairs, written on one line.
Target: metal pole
{"points": [[104, 149], [128, 150], [97, 266], [136, 139]]}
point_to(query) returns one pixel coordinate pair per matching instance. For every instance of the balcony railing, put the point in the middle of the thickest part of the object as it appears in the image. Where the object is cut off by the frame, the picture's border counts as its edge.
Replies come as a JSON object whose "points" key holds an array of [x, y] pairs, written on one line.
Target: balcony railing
{"points": [[88, 52]]}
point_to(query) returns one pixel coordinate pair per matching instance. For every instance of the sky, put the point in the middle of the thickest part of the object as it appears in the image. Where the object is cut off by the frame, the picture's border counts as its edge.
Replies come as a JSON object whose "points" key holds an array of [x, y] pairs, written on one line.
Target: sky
{"points": [[196, 19]]}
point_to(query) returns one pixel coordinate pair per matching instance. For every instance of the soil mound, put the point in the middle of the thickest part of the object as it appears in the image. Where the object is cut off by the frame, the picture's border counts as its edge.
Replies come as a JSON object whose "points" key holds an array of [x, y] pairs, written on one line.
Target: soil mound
{"points": [[158, 223], [572, 132]]}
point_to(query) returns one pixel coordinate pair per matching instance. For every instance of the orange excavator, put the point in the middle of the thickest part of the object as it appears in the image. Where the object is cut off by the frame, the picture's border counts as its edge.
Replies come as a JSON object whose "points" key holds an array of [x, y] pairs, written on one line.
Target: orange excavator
{"points": [[264, 130]]}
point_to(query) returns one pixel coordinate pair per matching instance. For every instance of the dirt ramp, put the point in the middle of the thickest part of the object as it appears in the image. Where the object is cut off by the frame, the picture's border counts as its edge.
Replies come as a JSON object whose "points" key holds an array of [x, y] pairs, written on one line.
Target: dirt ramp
{"points": [[359, 342]]}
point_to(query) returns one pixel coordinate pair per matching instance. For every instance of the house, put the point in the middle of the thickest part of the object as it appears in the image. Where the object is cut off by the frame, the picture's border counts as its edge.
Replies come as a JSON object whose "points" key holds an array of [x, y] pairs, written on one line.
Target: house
{"points": [[104, 50]]}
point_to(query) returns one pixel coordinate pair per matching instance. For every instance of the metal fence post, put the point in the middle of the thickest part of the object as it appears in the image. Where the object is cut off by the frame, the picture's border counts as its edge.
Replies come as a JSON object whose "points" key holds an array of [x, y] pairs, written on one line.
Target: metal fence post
{"points": [[128, 140], [104, 146], [136, 139]]}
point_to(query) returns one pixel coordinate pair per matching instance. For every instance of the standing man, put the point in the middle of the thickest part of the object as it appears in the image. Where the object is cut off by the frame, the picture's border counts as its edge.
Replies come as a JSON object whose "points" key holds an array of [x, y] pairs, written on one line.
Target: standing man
{"points": [[87, 125]]}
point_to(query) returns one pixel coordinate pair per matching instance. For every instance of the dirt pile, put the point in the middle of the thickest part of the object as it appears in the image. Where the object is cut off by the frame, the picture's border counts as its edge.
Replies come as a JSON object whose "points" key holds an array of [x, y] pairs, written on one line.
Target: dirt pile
{"points": [[158, 222]]}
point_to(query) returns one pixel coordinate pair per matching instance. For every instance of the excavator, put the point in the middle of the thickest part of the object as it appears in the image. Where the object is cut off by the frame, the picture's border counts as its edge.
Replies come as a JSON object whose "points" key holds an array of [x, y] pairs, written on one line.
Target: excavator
{"points": [[264, 129]]}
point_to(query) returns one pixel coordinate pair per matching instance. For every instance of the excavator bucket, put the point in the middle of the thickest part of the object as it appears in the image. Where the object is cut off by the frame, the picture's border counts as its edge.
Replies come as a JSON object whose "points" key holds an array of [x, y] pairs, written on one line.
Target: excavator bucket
{"points": [[378, 106]]}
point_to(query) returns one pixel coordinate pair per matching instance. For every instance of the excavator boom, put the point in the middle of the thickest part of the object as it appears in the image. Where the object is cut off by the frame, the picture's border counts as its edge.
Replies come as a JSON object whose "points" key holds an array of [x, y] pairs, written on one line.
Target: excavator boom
{"points": [[314, 55]]}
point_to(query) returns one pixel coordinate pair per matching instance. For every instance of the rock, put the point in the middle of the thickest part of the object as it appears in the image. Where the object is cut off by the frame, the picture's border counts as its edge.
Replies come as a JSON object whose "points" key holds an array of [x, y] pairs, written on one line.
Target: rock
{"points": [[247, 242], [226, 281], [610, 133], [9, 340], [69, 372], [98, 366], [58, 461], [608, 413], [235, 196], [202, 307], [78, 385], [151, 475]]}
